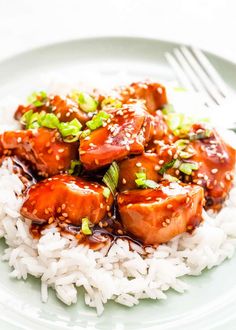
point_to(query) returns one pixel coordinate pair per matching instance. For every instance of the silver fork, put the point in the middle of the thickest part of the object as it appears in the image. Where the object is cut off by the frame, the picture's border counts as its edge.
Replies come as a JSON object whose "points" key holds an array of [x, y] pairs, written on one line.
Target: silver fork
{"points": [[195, 73]]}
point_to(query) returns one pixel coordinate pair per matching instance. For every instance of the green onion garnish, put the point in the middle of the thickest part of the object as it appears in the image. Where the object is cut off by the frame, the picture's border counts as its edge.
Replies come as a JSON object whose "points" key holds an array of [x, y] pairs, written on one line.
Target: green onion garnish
{"points": [[75, 167], [98, 120], [168, 109], [181, 144], [85, 133], [187, 168], [48, 120], [166, 166], [85, 227], [109, 101], [86, 102], [111, 177], [199, 136], [170, 178], [142, 181], [37, 99], [106, 192], [70, 130]]}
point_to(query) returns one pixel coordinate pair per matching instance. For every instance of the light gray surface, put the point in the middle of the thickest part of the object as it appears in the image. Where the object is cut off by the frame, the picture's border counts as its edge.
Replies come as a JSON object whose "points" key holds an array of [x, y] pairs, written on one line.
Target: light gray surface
{"points": [[209, 24]]}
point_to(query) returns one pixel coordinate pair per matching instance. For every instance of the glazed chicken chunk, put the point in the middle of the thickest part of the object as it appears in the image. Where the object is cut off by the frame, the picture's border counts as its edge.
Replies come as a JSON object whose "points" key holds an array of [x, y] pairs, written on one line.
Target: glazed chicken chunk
{"points": [[65, 198], [157, 215], [125, 133], [65, 108], [43, 148], [153, 94]]}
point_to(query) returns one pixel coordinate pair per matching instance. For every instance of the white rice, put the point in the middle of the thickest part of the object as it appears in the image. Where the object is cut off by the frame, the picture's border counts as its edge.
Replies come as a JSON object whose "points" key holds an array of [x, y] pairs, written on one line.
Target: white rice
{"points": [[120, 274]]}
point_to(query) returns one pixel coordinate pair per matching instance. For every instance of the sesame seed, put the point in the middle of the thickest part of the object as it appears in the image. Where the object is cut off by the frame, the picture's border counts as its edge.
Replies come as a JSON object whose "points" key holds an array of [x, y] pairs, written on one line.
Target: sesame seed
{"points": [[168, 221], [228, 177], [82, 152], [101, 206], [138, 164], [34, 211], [161, 161], [156, 168], [63, 206], [50, 220], [58, 210], [96, 162], [199, 182], [61, 150], [119, 231], [222, 184], [187, 200], [124, 181], [65, 214], [57, 157], [169, 206], [164, 224], [214, 170], [148, 198], [19, 139], [170, 153], [127, 147]]}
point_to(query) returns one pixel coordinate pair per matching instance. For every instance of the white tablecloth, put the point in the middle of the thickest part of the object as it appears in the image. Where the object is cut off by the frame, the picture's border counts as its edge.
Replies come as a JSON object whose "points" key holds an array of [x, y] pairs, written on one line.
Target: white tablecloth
{"points": [[210, 24]]}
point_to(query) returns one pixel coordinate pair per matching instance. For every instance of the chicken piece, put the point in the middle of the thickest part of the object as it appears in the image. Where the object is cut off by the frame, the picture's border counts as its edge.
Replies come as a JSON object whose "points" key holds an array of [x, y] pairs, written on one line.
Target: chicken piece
{"points": [[125, 133], [216, 161], [155, 216], [43, 148], [65, 198], [214, 158], [153, 94], [147, 162], [64, 108]]}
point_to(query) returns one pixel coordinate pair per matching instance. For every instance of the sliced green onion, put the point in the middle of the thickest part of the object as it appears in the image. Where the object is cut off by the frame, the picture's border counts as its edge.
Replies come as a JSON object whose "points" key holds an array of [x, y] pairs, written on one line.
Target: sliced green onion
{"points": [[48, 120], [143, 182], [86, 102], [199, 136], [185, 154], [109, 101], [106, 192], [37, 99], [181, 144], [168, 109], [85, 133], [75, 167], [33, 121], [111, 177], [70, 130], [170, 178], [166, 166], [187, 168], [98, 120], [85, 227], [25, 119]]}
